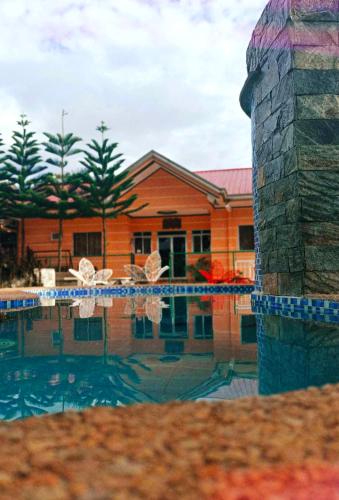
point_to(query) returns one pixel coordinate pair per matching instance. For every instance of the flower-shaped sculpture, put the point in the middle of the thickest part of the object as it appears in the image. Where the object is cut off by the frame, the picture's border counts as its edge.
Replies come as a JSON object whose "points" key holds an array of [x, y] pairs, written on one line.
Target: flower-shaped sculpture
{"points": [[89, 276], [87, 305], [151, 272], [150, 306]]}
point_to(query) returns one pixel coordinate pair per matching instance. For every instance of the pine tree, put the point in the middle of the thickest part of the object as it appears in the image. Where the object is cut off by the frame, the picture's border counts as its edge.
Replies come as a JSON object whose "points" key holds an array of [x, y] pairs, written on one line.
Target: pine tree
{"points": [[22, 182], [61, 147], [2, 153], [103, 184], [3, 181]]}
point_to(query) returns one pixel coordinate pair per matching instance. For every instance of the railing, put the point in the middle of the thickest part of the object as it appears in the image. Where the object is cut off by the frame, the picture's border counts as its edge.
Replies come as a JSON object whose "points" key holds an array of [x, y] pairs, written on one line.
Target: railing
{"points": [[49, 258], [233, 261], [183, 266]]}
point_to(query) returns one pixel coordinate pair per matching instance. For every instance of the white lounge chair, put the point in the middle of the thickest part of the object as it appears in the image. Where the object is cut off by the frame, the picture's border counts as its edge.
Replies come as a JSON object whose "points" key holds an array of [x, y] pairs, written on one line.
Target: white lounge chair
{"points": [[151, 272], [88, 276]]}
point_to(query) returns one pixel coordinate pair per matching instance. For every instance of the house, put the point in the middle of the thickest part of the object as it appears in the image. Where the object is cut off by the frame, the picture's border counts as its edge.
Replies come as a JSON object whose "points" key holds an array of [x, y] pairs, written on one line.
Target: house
{"points": [[188, 215]]}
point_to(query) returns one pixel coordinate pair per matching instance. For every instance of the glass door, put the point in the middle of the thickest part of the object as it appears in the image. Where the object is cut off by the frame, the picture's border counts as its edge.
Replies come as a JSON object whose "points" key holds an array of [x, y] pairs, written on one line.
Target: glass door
{"points": [[179, 256], [165, 253], [174, 322], [172, 249]]}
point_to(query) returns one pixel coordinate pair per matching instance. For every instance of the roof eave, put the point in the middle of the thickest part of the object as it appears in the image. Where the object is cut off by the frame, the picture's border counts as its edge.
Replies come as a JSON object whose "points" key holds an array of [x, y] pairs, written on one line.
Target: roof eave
{"points": [[194, 179]]}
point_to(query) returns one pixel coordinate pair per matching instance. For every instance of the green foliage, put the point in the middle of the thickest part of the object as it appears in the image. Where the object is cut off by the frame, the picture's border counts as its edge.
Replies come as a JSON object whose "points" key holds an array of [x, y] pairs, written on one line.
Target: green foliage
{"points": [[3, 155], [98, 190], [4, 182], [22, 177], [203, 263], [61, 147], [60, 190], [23, 166], [12, 272], [104, 183], [61, 199]]}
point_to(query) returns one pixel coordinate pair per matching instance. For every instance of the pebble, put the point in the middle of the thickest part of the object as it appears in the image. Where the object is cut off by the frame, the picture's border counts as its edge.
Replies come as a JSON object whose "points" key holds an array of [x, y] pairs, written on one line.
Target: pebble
{"points": [[168, 451]]}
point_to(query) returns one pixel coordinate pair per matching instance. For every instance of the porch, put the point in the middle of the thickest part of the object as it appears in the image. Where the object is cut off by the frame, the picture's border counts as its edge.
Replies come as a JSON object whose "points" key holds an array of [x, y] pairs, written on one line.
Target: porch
{"points": [[183, 266]]}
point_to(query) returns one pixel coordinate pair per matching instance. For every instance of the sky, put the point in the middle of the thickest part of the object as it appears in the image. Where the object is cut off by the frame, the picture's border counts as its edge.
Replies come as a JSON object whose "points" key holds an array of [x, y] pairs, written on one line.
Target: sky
{"points": [[163, 74]]}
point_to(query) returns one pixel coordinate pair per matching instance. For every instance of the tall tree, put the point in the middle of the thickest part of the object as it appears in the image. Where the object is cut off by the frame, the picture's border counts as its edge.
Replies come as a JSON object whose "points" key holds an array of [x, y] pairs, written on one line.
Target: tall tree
{"points": [[104, 184], [61, 147], [2, 153], [3, 180], [22, 175]]}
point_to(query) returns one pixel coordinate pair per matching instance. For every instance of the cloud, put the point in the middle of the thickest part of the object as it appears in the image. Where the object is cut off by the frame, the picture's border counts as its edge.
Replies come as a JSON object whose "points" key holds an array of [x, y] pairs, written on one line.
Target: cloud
{"points": [[163, 74]]}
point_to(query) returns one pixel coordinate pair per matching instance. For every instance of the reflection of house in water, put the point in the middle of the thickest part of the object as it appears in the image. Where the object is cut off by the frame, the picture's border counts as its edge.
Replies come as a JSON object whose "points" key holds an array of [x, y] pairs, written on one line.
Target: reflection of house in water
{"points": [[199, 345]]}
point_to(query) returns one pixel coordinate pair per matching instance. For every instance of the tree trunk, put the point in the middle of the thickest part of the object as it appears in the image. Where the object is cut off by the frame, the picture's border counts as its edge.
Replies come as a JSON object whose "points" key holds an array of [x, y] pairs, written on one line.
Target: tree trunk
{"points": [[60, 236], [23, 237], [105, 243]]}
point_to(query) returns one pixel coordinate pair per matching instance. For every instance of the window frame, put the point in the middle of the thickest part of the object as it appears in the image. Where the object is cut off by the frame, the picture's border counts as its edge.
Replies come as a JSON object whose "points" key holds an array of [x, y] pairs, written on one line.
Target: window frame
{"points": [[203, 318], [201, 233], [147, 328], [55, 236], [87, 253], [239, 241], [143, 236], [84, 324]]}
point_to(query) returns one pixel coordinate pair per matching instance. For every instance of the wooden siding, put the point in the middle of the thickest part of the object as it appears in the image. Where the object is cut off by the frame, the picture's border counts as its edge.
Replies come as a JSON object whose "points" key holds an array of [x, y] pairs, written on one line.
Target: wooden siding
{"points": [[162, 191]]}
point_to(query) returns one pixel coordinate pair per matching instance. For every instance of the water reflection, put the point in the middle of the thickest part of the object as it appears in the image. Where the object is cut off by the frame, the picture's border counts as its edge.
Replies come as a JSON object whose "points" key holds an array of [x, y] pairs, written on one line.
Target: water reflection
{"points": [[295, 354], [125, 351]]}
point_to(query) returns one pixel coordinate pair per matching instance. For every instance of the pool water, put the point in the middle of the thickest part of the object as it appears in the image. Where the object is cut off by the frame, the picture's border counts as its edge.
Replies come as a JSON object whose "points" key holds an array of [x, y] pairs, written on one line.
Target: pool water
{"points": [[118, 351]]}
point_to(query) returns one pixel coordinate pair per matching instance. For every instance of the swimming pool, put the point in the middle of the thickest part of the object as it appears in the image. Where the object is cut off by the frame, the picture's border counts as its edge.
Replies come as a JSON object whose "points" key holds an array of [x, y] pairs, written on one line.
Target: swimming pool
{"points": [[72, 354]]}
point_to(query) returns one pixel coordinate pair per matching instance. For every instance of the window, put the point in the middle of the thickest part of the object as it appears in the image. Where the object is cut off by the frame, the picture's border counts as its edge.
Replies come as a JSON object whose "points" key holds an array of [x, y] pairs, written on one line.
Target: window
{"points": [[143, 328], [246, 237], [88, 329], [142, 242], [201, 241], [54, 236], [87, 244], [174, 319], [171, 223], [56, 338], [203, 327], [248, 329]]}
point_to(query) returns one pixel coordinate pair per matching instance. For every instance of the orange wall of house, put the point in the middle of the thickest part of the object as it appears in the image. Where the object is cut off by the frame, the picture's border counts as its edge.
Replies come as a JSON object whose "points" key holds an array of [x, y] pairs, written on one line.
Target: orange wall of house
{"points": [[162, 191], [155, 225], [238, 217], [38, 238]]}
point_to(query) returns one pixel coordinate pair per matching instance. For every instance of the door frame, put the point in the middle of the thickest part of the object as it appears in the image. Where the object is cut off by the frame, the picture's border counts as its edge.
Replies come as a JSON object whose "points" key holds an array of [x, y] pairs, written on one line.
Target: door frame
{"points": [[171, 235]]}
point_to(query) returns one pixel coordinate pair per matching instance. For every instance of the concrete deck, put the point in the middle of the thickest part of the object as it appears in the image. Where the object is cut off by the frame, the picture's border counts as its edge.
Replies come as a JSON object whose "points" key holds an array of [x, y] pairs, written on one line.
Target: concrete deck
{"points": [[167, 451]]}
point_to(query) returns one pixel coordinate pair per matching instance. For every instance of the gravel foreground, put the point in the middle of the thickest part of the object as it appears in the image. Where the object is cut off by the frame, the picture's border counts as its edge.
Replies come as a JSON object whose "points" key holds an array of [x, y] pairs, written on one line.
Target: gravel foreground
{"points": [[175, 450]]}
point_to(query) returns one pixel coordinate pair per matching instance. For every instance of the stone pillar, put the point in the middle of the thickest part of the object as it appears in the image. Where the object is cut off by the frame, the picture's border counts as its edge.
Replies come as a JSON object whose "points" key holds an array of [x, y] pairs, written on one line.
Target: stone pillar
{"points": [[292, 97]]}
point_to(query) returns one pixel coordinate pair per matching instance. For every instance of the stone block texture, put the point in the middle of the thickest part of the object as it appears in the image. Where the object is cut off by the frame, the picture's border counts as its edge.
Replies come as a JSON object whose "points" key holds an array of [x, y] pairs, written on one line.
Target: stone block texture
{"points": [[292, 96]]}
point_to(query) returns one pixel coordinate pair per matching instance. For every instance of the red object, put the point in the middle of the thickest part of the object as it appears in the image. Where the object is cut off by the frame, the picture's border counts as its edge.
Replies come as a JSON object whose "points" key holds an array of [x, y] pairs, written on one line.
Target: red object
{"points": [[217, 274], [234, 180]]}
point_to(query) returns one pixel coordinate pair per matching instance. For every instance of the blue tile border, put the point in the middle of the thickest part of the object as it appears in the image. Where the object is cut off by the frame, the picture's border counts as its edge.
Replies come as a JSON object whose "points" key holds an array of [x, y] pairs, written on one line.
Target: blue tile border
{"points": [[296, 307], [128, 290], [6, 304]]}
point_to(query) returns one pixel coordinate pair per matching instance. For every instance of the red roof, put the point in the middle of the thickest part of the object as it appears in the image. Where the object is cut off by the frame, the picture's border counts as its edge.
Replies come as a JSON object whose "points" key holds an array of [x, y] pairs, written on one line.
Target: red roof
{"points": [[234, 180]]}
